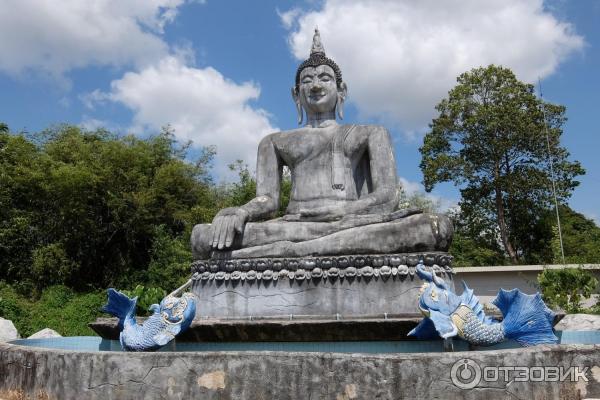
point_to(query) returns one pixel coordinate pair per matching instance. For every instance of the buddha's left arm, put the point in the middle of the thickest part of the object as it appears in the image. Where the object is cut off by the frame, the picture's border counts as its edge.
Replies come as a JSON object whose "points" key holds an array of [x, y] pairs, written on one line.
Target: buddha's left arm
{"points": [[383, 172]]}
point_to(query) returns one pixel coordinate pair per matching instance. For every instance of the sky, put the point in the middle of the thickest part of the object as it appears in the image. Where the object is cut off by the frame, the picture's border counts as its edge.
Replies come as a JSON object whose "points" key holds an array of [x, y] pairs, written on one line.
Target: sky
{"points": [[219, 72]]}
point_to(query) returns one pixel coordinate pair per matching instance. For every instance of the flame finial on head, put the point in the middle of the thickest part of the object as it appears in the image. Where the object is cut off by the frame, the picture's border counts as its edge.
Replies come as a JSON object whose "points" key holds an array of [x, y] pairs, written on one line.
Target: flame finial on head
{"points": [[317, 46]]}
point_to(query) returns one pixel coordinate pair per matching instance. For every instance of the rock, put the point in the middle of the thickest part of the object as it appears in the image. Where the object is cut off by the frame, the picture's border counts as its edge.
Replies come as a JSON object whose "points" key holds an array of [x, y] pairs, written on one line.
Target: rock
{"points": [[579, 322], [45, 333], [8, 331]]}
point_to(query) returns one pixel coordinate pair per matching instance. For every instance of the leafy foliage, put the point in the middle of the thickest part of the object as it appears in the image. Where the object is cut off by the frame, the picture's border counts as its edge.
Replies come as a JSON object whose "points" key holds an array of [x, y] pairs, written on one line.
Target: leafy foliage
{"points": [[81, 208], [58, 308], [490, 140], [146, 296], [469, 252], [170, 260], [566, 288], [581, 238]]}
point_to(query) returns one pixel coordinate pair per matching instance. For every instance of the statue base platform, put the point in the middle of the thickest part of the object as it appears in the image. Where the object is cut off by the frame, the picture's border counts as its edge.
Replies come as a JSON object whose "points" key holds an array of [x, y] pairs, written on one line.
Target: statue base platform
{"points": [[338, 287]]}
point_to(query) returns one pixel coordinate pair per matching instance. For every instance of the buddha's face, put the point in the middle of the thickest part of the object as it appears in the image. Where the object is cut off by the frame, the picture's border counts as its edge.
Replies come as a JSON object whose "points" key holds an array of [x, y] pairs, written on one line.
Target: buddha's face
{"points": [[318, 89]]}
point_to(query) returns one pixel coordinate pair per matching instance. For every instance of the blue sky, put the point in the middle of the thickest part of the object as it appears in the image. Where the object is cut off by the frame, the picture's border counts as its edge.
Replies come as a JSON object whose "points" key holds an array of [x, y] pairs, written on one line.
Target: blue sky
{"points": [[220, 72]]}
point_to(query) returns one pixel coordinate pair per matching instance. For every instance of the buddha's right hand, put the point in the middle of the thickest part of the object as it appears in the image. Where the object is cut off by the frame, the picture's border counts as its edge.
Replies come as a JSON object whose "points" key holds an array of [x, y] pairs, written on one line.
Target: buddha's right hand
{"points": [[226, 223]]}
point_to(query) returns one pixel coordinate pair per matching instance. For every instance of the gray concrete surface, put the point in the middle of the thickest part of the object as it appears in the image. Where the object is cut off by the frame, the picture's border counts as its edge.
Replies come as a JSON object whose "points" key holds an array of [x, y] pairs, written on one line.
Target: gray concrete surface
{"points": [[30, 373], [324, 297]]}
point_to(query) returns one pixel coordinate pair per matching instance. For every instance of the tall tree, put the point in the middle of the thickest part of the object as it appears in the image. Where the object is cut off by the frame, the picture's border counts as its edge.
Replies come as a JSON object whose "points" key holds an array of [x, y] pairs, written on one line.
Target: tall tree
{"points": [[82, 208], [490, 140], [581, 238]]}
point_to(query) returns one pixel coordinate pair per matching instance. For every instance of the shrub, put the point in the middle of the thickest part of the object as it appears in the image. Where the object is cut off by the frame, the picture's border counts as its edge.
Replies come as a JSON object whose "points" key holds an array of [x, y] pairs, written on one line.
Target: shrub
{"points": [[170, 260], [51, 265], [146, 297], [58, 308], [566, 288]]}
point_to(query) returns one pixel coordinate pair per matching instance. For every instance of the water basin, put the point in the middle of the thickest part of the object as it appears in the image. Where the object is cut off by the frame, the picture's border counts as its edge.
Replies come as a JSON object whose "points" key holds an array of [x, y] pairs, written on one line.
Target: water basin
{"points": [[94, 343]]}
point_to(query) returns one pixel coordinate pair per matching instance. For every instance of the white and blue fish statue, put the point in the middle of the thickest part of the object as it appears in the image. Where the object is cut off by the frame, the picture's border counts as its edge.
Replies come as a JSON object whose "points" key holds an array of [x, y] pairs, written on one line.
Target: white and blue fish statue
{"points": [[527, 319], [171, 317]]}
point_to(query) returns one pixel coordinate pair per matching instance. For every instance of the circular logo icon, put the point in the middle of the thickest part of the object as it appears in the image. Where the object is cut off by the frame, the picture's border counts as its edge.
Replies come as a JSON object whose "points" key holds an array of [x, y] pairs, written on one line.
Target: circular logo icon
{"points": [[465, 373]]}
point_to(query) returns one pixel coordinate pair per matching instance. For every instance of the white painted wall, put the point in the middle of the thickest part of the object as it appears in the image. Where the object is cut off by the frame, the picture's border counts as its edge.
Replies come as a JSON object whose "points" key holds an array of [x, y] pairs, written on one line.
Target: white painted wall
{"points": [[486, 281]]}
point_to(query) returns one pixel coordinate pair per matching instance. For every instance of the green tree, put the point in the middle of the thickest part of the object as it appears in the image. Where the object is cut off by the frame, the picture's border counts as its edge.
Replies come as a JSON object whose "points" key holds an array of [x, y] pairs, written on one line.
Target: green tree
{"points": [[567, 288], [81, 208], [170, 260], [241, 192], [581, 238], [490, 140], [21, 196]]}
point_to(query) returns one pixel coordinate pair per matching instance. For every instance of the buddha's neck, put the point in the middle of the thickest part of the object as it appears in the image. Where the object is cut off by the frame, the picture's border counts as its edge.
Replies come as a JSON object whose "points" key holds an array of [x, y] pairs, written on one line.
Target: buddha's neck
{"points": [[316, 120]]}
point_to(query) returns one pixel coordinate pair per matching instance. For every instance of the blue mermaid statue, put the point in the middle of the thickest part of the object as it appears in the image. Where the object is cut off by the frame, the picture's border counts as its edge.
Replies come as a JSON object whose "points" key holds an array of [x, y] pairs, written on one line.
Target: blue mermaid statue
{"points": [[527, 319], [171, 317]]}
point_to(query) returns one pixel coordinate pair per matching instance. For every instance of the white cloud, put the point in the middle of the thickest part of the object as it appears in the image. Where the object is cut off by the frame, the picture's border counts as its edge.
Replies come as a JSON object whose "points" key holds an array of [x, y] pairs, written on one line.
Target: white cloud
{"points": [[91, 124], [200, 104], [416, 189], [162, 86], [288, 18], [400, 58], [53, 37], [411, 187]]}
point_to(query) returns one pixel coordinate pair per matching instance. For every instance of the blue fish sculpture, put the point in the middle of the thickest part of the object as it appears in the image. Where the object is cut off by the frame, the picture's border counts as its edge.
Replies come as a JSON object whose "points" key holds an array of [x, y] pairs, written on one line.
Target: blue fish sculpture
{"points": [[526, 318], [171, 317]]}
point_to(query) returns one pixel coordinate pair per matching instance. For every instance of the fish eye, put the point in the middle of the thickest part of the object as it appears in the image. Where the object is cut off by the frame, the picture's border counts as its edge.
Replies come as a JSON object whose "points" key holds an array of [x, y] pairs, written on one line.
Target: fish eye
{"points": [[434, 295]]}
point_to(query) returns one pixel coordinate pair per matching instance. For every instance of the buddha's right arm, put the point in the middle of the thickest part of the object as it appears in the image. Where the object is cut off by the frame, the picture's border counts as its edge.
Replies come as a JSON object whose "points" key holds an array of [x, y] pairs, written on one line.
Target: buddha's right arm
{"points": [[268, 182], [230, 221]]}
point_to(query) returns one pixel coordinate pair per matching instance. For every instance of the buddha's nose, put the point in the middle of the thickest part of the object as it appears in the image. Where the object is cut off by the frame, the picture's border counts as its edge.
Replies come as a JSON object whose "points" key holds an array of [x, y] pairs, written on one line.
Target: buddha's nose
{"points": [[316, 87]]}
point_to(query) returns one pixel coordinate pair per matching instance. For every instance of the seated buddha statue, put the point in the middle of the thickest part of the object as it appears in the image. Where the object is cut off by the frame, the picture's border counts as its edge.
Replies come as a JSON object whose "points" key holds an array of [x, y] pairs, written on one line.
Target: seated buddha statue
{"points": [[344, 187]]}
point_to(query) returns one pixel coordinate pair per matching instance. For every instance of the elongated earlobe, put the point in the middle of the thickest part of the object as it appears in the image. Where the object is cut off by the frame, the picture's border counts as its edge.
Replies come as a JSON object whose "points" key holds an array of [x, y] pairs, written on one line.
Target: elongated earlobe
{"points": [[298, 105], [342, 92]]}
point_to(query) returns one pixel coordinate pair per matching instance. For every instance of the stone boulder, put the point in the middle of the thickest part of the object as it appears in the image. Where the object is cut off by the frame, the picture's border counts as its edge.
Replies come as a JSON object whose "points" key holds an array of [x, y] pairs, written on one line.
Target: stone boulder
{"points": [[44, 334], [579, 322], [8, 331]]}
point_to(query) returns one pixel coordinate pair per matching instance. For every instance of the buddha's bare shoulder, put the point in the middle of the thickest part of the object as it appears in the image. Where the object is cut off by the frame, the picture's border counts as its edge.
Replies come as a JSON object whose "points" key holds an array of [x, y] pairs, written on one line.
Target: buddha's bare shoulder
{"points": [[289, 137], [284, 134], [370, 128]]}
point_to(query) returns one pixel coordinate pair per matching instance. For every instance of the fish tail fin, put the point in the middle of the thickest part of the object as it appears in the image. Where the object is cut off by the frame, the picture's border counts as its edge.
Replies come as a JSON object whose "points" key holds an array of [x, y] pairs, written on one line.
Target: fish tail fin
{"points": [[527, 319], [120, 306]]}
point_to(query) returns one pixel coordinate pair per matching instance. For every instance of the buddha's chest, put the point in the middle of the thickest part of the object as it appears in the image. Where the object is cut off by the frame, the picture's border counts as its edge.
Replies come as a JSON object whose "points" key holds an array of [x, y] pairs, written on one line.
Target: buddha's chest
{"points": [[308, 146]]}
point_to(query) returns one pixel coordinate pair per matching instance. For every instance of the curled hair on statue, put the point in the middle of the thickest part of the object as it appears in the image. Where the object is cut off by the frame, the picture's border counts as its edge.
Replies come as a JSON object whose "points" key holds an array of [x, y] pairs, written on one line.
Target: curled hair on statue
{"points": [[320, 59]]}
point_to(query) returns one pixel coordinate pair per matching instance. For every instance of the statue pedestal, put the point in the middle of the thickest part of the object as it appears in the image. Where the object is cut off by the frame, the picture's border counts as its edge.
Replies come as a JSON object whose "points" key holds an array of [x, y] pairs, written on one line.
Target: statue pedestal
{"points": [[348, 287]]}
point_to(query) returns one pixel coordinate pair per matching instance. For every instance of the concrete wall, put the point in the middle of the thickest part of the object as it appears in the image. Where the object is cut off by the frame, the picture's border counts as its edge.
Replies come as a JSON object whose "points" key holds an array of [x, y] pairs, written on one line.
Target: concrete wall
{"points": [[30, 373], [486, 281]]}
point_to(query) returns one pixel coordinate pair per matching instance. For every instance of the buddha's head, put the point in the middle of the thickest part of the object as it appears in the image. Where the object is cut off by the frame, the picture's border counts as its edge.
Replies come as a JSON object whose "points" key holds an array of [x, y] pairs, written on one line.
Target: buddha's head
{"points": [[319, 88]]}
